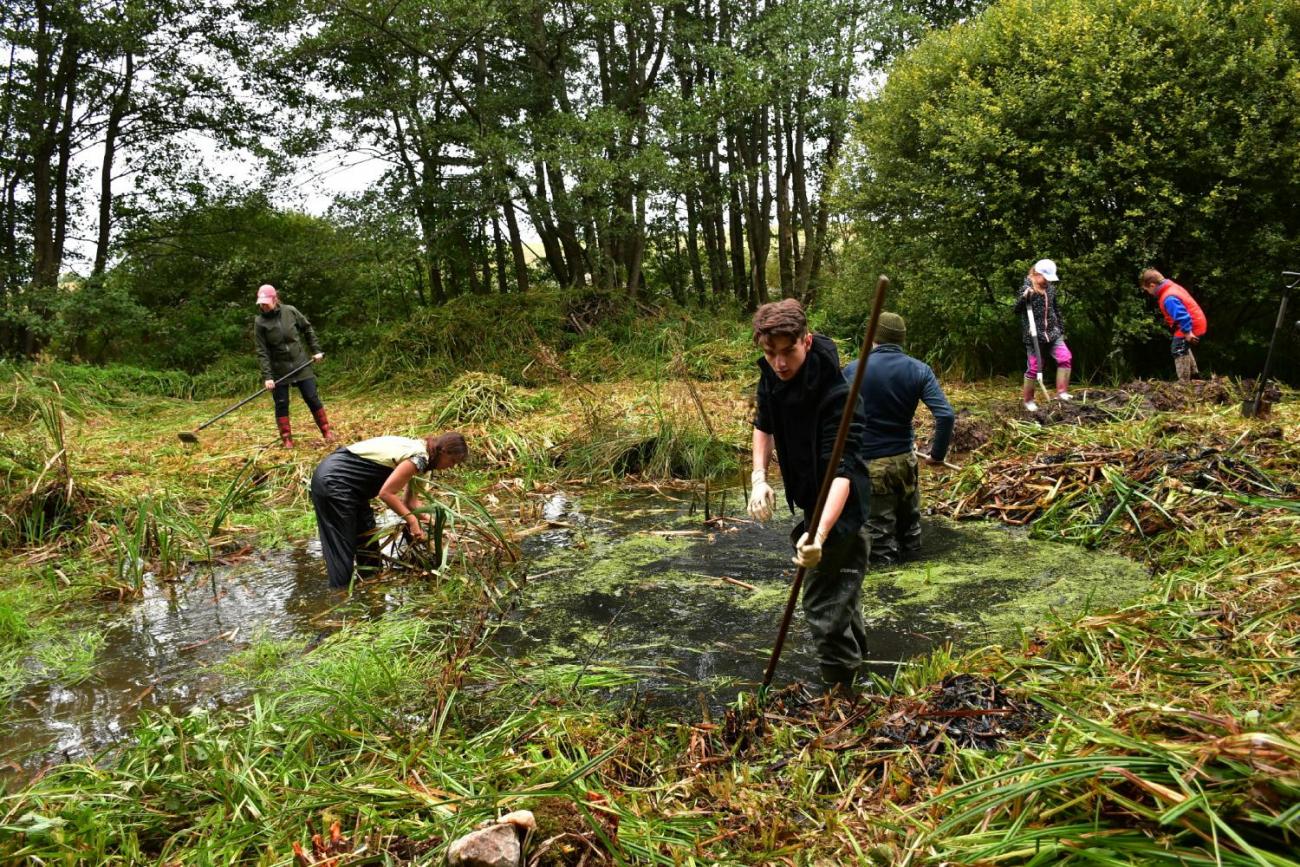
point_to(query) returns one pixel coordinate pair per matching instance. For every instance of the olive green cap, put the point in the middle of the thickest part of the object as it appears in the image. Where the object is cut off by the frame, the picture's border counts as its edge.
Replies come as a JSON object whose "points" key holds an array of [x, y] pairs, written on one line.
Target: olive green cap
{"points": [[891, 329]]}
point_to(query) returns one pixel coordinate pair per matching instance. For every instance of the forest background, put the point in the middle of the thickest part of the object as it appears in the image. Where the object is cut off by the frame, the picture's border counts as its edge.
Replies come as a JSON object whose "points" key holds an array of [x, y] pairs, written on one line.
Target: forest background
{"points": [[693, 156]]}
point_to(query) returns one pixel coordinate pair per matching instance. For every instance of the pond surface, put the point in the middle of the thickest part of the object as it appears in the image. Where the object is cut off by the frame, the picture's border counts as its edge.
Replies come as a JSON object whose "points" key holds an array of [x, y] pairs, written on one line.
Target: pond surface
{"points": [[635, 585], [641, 583], [161, 651]]}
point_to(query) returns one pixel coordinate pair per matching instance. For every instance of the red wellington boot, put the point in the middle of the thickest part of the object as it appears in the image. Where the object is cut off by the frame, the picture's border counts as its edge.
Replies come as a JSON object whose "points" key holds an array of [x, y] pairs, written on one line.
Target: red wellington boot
{"points": [[323, 422], [286, 434]]}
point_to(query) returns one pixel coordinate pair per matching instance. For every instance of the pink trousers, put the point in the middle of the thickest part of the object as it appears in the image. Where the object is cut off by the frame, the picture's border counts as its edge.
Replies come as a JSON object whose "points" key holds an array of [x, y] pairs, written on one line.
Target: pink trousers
{"points": [[1060, 352]]}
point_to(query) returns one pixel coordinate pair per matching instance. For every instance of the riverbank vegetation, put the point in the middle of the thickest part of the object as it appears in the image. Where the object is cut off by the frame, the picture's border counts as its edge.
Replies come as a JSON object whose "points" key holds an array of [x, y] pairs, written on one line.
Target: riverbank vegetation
{"points": [[1163, 731]]}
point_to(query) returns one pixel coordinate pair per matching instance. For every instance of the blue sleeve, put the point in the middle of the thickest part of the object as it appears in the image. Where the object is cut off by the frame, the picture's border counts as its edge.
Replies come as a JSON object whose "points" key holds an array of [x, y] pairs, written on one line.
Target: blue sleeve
{"points": [[849, 370], [1178, 312], [944, 418]]}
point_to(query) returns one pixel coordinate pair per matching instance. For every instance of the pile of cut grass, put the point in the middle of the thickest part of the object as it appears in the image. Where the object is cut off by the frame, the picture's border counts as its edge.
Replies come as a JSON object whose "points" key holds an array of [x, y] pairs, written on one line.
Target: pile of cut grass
{"points": [[477, 398]]}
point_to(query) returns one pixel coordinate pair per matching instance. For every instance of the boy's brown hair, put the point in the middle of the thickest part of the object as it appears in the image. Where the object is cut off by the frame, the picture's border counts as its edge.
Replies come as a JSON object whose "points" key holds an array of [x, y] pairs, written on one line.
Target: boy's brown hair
{"points": [[784, 318], [1150, 277]]}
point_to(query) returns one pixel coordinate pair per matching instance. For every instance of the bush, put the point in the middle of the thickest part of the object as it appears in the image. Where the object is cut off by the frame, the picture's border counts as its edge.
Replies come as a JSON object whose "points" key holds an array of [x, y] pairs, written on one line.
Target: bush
{"points": [[1109, 135]]}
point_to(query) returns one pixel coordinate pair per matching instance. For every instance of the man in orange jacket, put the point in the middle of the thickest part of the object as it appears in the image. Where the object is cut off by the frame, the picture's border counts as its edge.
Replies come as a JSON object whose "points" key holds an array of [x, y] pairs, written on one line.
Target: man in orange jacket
{"points": [[1182, 314]]}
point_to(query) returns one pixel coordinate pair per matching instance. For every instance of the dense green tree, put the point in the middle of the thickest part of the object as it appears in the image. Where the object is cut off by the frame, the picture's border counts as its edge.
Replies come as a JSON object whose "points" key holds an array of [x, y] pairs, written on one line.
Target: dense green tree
{"points": [[194, 272], [1107, 135], [131, 78]]}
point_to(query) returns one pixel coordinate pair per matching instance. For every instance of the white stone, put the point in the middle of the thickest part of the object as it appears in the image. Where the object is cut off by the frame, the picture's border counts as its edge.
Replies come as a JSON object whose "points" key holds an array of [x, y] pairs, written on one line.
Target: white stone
{"points": [[496, 846]]}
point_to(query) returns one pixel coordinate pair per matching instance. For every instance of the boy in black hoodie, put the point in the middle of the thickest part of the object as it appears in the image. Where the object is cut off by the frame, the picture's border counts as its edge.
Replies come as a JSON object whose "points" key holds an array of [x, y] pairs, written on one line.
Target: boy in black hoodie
{"points": [[800, 400]]}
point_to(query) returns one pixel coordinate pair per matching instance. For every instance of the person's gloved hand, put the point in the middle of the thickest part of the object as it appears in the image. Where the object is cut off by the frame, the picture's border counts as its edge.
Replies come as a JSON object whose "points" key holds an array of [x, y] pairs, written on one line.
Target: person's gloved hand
{"points": [[808, 552], [761, 496], [318, 356]]}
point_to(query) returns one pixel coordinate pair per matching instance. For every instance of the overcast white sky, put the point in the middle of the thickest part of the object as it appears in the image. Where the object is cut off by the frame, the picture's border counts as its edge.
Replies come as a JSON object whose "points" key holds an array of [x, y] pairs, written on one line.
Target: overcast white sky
{"points": [[311, 189]]}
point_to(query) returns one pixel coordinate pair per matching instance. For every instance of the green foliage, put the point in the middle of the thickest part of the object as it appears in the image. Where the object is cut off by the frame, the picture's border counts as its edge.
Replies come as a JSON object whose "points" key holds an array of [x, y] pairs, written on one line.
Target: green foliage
{"points": [[1109, 136], [14, 626], [153, 534], [184, 291]]}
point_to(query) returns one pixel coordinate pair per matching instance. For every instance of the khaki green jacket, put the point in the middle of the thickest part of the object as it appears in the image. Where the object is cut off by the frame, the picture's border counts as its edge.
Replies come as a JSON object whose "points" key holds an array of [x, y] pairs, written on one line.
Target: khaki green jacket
{"points": [[280, 335]]}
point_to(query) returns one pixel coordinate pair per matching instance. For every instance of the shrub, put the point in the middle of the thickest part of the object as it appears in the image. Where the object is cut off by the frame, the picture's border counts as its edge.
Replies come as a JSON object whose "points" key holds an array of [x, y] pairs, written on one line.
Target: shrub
{"points": [[1108, 136]]}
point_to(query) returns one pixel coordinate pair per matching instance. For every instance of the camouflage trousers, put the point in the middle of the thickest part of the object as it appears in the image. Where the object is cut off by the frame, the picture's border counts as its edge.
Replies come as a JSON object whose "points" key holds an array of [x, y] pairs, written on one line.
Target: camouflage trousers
{"points": [[832, 604], [895, 517], [1184, 361]]}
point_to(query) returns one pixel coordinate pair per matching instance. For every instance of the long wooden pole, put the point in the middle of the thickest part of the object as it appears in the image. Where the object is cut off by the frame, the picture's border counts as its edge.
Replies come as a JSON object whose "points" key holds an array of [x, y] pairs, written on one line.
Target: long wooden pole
{"points": [[836, 454]]}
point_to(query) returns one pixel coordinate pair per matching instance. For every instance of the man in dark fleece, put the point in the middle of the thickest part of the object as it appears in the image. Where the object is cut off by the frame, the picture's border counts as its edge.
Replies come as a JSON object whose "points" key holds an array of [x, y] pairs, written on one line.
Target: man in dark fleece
{"points": [[893, 386], [800, 400]]}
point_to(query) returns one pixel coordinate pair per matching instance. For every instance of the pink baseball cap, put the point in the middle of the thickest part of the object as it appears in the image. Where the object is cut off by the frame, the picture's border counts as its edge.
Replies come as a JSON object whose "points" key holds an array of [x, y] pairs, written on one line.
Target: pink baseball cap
{"points": [[266, 294]]}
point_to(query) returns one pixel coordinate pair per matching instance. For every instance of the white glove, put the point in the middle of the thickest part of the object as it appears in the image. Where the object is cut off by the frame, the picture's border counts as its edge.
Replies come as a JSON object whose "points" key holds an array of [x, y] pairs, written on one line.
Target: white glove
{"points": [[808, 553], [761, 496]]}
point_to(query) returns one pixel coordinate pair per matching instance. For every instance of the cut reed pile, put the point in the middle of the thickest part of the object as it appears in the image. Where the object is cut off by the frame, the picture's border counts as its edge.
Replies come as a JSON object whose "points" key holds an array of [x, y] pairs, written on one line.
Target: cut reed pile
{"points": [[1143, 491]]}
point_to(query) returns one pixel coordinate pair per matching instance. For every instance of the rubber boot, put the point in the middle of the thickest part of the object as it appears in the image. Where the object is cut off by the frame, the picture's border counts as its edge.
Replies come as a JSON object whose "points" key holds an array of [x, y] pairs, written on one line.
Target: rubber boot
{"points": [[323, 422], [1063, 384], [1027, 395], [286, 434], [838, 681]]}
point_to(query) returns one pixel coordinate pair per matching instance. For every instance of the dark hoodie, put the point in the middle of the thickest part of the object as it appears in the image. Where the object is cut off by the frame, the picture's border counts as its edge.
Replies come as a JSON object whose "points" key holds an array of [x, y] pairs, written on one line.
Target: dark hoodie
{"points": [[803, 416]]}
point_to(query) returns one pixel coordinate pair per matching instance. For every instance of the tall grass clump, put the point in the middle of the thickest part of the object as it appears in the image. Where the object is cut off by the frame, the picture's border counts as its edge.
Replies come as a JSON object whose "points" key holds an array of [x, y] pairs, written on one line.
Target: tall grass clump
{"points": [[670, 449], [42, 500], [477, 398], [153, 535], [84, 388]]}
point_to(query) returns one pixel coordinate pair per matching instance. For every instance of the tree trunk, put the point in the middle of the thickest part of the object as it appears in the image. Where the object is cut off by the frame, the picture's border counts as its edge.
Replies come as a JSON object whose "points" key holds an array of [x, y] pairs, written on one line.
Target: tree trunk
{"points": [[120, 103], [784, 231], [693, 242], [802, 207], [735, 223], [12, 173], [545, 224], [516, 246], [499, 246], [574, 253], [61, 174]]}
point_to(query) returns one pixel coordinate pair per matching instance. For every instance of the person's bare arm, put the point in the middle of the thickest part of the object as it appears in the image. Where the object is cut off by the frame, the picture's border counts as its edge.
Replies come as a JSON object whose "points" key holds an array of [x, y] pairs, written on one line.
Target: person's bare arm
{"points": [[412, 500], [763, 446], [390, 495], [835, 501]]}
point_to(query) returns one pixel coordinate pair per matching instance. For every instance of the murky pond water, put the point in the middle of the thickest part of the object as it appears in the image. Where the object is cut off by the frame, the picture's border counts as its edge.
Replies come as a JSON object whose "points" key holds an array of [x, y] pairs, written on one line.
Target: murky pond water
{"points": [[639, 582], [624, 583], [160, 651]]}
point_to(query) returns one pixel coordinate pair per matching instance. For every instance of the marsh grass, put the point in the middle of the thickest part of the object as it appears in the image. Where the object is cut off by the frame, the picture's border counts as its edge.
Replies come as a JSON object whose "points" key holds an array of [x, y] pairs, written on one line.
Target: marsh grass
{"points": [[1174, 739], [154, 535]]}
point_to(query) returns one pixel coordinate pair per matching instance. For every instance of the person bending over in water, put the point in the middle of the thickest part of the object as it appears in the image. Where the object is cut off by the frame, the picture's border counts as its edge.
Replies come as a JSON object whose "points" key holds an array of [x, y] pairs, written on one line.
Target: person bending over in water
{"points": [[351, 476]]}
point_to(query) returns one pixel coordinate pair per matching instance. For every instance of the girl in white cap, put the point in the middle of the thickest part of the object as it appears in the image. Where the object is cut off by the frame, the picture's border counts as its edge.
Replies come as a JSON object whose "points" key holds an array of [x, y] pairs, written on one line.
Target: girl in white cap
{"points": [[1038, 298], [280, 331]]}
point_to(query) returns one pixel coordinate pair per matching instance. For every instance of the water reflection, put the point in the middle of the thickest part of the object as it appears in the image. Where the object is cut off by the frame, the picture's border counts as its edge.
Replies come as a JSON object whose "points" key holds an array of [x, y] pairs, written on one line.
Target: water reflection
{"points": [[159, 651]]}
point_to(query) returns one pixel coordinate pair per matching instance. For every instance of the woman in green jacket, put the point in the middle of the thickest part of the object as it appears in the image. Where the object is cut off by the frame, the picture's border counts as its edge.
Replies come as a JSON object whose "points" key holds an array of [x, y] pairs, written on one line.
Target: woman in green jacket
{"points": [[280, 331]]}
